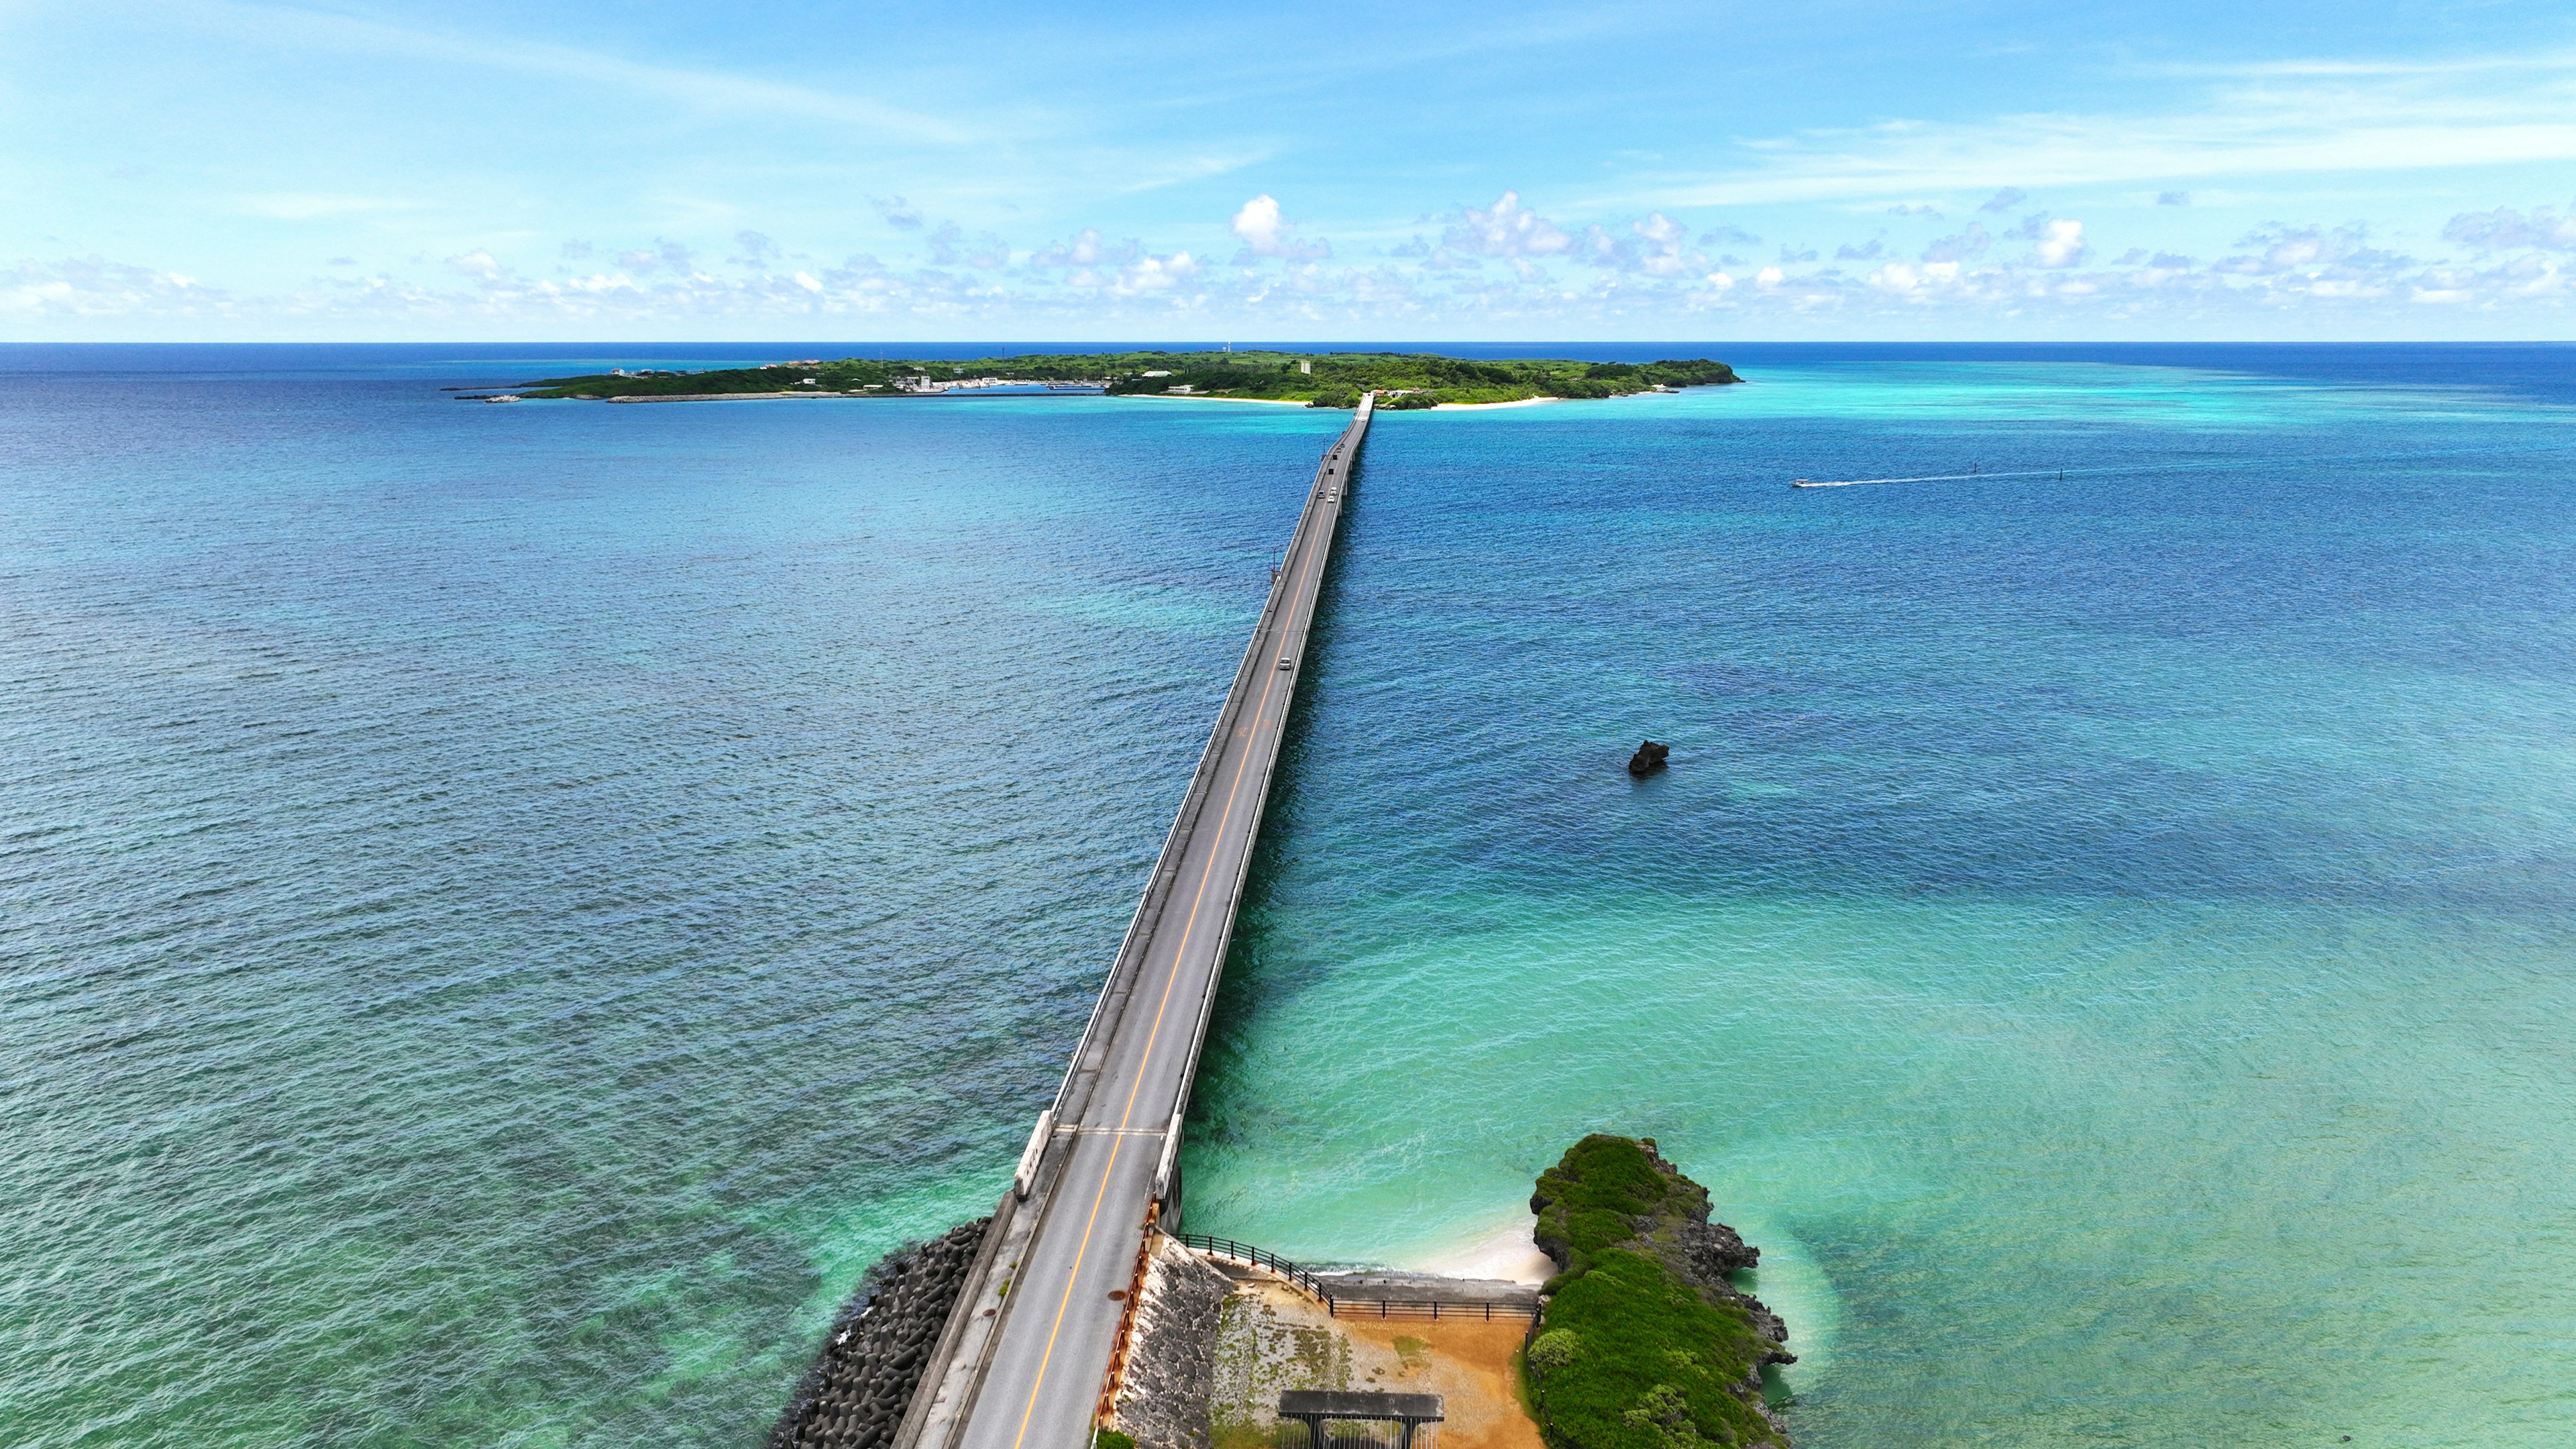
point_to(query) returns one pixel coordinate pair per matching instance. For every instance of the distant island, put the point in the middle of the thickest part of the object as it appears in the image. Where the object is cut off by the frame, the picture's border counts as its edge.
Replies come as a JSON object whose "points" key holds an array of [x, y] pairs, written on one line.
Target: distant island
{"points": [[1402, 380]]}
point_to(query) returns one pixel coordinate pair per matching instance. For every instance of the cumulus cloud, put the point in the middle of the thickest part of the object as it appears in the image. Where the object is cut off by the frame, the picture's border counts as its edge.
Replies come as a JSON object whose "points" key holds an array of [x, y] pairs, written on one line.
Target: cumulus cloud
{"points": [[1965, 247], [1663, 240], [1088, 249], [2342, 252], [2519, 280], [1917, 209], [1916, 283], [1505, 229], [1656, 246], [896, 212], [2503, 229], [2005, 200], [93, 286], [2173, 198], [1150, 274], [663, 253], [1265, 233], [1643, 268], [1729, 236], [950, 246], [2060, 244]]}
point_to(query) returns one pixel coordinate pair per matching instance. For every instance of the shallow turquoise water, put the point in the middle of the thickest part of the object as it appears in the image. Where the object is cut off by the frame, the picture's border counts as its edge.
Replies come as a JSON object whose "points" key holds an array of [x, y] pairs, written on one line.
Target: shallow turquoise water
{"points": [[505, 911]]}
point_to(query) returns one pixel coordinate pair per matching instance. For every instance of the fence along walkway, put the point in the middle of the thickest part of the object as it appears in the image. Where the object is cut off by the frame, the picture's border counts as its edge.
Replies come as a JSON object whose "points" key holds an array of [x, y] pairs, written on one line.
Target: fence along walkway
{"points": [[1334, 1291]]}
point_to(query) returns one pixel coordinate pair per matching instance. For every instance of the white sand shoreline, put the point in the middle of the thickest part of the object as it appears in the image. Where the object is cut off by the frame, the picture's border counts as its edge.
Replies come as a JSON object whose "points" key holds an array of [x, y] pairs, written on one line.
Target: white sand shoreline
{"points": [[1504, 1254], [1270, 402], [1527, 402]]}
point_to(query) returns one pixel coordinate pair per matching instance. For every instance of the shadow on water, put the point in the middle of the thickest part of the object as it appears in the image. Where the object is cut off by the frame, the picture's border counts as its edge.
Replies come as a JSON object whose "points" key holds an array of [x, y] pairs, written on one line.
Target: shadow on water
{"points": [[1257, 971]]}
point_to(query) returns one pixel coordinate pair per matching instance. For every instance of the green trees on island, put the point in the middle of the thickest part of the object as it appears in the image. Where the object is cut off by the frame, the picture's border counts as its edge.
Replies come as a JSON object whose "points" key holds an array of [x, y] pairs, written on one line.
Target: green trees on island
{"points": [[1331, 379], [1645, 1345]]}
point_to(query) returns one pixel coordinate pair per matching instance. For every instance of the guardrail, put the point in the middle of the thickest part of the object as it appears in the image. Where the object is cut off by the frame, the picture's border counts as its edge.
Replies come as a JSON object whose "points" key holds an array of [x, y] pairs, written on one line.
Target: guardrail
{"points": [[1433, 1308], [1246, 1253]]}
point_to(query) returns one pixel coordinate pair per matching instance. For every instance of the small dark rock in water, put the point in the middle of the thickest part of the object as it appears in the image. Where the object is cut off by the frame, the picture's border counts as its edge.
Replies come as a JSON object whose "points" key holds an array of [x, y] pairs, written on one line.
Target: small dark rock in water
{"points": [[1648, 759]]}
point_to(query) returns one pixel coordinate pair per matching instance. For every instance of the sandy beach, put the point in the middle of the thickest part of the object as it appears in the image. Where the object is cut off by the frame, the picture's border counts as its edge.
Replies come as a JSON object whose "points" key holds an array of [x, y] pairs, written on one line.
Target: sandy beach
{"points": [[1527, 402], [1275, 402], [1506, 1254]]}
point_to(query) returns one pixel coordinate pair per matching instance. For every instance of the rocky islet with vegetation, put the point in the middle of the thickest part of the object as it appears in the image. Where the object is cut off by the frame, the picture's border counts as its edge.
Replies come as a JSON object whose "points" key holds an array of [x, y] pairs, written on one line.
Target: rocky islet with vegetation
{"points": [[1645, 1343]]}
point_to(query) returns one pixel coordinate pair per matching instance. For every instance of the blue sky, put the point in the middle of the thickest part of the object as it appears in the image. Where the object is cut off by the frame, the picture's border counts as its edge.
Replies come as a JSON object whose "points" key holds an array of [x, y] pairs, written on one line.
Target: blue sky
{"points": [[223, 171]]}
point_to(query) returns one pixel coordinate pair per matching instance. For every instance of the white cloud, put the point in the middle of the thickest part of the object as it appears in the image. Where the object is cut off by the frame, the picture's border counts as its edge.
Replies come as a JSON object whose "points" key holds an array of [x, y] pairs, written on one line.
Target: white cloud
{"points": [[1505, 229], [2503, 228], [1966, 246], [1662, 254], [2285, 120], [950, 246], [96, 287], [1905, 279], [1155, 274], [1656, 246], [476, 263], [2312, 252], [1265, 233], [663, 253], [2061, 244], [1088, 249]]}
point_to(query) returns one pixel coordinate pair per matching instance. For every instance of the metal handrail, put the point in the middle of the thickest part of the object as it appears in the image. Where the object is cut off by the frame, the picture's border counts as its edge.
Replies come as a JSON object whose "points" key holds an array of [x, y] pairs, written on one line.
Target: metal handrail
{"points": [[1262, 1257], [1337, 1305], [1432, 1308]]}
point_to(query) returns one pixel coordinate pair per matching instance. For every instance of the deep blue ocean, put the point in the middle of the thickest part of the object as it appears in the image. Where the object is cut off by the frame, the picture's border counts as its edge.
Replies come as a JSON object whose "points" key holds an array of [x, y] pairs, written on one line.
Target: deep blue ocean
{"points": [[506, 911]]}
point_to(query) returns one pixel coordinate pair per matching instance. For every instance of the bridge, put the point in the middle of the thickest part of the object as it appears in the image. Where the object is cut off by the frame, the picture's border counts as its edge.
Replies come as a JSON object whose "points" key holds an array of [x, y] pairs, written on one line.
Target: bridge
{"points": [[1030, 1352]]}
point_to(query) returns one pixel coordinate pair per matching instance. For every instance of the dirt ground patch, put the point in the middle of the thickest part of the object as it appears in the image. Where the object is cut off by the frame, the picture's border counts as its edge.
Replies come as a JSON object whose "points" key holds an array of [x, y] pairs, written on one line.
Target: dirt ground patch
{"points": [[1273, 1338]]}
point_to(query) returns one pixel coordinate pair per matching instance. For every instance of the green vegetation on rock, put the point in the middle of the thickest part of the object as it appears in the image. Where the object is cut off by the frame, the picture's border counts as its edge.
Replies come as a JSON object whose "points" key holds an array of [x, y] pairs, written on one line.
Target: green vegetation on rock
{"points": [[1645, 1345], [1402, 380]]}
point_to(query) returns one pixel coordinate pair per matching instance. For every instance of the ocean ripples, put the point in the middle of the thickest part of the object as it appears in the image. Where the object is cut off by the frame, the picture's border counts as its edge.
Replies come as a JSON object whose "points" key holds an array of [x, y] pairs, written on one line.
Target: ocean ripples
{"points": [[507, 911]]}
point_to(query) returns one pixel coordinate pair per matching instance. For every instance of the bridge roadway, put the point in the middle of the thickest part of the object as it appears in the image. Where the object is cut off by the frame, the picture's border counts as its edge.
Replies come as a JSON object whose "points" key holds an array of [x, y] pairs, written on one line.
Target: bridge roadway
{"points": [[1024, 1357]]}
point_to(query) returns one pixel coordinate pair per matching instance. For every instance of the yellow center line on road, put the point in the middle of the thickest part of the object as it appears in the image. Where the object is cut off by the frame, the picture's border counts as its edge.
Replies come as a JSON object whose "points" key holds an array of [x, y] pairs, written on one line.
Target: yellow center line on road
{"points": [[1170, 979]]}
